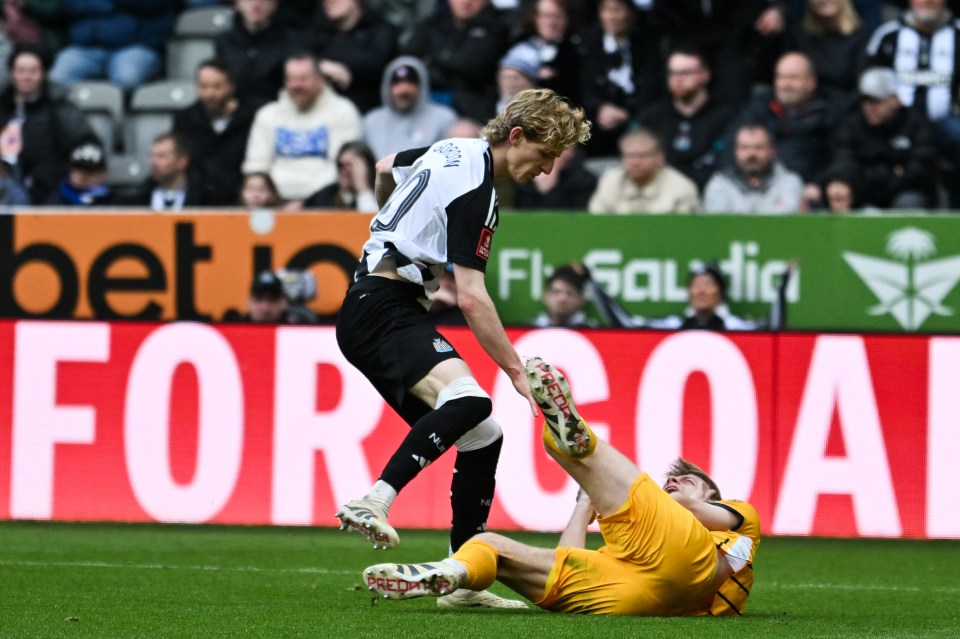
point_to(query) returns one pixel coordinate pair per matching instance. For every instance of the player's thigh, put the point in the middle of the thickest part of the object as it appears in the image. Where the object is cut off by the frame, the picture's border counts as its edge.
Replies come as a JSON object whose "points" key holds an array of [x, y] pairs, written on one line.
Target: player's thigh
{"points": [[429, 387]]}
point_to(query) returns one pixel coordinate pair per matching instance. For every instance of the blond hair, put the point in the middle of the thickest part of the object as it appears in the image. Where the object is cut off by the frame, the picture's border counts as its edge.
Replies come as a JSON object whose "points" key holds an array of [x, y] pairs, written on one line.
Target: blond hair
{"points": [[682, 467], [544, 116], [849, 20]]}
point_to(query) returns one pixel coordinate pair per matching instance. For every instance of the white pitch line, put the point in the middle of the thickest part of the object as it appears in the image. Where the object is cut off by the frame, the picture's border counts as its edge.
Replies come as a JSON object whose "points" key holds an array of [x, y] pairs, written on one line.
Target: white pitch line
{"points": [[103, 564], [325, 571]]}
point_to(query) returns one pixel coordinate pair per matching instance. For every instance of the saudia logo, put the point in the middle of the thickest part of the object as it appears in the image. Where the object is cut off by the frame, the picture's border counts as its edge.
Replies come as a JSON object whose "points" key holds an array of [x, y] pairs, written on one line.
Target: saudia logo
{"points": [[648, 279], [911, 287]]}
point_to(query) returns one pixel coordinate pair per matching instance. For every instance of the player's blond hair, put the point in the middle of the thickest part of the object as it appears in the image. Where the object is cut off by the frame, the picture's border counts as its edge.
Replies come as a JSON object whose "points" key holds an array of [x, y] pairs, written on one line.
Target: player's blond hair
{"points": [[682, 467], [544, 117]]}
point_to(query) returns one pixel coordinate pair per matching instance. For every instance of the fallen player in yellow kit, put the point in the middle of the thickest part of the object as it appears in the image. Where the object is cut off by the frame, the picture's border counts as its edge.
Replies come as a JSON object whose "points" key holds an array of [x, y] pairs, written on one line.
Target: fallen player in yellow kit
{"points": [[673, 550]]}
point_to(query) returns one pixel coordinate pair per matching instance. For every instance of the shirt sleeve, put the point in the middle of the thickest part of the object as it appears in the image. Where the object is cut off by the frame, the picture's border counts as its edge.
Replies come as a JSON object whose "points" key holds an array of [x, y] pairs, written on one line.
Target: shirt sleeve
{"points": [[471, 221]]}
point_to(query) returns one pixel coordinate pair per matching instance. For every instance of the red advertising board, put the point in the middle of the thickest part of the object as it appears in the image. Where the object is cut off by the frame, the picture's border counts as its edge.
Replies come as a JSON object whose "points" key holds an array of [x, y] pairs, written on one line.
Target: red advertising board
{"points": [[847, 435]]}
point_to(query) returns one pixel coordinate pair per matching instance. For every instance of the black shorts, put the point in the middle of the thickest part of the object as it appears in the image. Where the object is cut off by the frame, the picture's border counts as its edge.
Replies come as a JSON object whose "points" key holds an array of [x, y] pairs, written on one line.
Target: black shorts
{"points": [[383, 330]]}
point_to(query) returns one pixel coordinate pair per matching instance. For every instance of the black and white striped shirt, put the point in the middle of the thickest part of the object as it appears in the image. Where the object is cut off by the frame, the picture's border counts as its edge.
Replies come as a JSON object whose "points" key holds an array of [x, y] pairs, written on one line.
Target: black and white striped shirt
{"points": [[926, 65], [443, 210]]}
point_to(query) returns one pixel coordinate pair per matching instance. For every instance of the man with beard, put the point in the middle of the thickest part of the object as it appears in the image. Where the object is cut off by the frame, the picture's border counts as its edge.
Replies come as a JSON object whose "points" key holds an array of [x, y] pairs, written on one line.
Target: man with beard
{"points": [[408, 117], [297, 138], [217, 125], [690, 121], [757, 182], [799, 119]]}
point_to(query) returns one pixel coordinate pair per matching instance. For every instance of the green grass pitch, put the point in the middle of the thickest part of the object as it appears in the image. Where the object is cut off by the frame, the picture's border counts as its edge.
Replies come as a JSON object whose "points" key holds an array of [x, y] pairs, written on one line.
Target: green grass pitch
{"points": [[116, 580]]}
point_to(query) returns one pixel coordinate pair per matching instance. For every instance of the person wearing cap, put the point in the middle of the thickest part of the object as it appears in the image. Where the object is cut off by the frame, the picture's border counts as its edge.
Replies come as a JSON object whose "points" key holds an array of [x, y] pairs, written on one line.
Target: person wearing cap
{"points": [[518, 71], [86, 181], [892, 148], [920, 46], [268, 301], [407, 118]]}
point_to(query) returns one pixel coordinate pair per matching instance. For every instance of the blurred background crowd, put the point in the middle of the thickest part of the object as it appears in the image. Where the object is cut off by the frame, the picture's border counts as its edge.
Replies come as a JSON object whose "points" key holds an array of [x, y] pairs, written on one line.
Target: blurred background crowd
{"points": [[732, 106]]}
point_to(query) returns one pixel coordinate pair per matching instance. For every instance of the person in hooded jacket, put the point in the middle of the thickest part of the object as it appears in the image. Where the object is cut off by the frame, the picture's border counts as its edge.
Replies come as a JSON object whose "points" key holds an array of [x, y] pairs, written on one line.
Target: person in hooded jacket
{"points": [[408, 118]]}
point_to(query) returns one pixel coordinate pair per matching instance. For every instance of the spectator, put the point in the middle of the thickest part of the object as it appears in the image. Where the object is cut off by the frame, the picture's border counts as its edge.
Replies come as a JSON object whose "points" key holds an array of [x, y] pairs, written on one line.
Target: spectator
{"points": [[259, 192], [890, 146], [921, 47], [706, 305], [404, 15], [464, 128], [549, 34], [408, 119], [643, 183], [800, 121], [461, 49], [843, 192], [730, 31], [691, 121], [517, 72], [40, 125], [37, 22], [86, 181], [621, 71], [834, 39], [171, 186], [268, 301], [565, 299], [122, 41], [296, 138], [217, 125], [353, 189], [12, 192], [255, 48], [567, 187], [353, 46], [757, 182]]}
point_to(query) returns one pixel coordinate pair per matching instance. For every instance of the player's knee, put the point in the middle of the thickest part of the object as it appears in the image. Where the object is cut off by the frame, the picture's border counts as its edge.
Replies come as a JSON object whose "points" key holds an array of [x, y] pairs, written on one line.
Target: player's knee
{"points": [[468, 397], [483, 435]]}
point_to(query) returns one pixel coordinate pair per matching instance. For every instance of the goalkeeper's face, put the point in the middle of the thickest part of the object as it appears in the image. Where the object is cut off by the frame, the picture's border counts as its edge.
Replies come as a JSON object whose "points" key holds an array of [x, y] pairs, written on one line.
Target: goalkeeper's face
{"points": [[689, 485]]}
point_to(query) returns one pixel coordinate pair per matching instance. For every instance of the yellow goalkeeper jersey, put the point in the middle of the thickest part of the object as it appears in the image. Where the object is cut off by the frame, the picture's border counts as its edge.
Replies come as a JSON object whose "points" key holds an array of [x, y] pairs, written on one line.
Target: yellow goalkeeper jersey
{"points": [[740, 547]]}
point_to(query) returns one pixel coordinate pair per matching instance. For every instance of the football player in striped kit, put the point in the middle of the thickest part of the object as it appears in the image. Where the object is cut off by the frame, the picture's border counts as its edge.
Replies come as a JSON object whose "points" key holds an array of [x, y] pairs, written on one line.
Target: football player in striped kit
{"points": [[439, 207]]}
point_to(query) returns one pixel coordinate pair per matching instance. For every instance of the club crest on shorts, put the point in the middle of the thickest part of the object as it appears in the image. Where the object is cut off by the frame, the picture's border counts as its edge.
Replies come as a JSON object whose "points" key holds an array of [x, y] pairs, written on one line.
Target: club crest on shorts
{"points": [[441, 346]]}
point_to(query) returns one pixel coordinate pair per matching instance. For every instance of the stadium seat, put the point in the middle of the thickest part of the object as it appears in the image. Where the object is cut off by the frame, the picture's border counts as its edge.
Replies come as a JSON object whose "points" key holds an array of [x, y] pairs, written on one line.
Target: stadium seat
{"points": [[102, 103], [193, 39], [125, 174], [183, 56], [151, 113]]}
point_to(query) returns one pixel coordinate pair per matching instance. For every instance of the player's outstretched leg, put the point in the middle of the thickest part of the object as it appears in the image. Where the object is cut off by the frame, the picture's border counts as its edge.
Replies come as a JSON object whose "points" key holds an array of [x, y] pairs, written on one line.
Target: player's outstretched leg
{"points": [[564, 431], [406, 581], [368, 518]]}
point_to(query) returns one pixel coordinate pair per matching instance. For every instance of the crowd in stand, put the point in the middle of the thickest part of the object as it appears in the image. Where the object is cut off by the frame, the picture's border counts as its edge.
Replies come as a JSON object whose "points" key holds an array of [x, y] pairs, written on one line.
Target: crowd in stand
{"points": [[750, 106]]}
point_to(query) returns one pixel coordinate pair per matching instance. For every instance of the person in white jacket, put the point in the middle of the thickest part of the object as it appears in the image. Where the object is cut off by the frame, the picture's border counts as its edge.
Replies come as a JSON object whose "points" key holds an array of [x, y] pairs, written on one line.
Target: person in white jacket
{"points": [[296, 139]]}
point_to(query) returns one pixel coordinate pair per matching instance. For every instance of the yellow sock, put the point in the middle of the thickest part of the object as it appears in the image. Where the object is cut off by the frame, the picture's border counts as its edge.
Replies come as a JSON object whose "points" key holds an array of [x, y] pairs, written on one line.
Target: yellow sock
{"points": [[480, 559], [552, 445]]}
